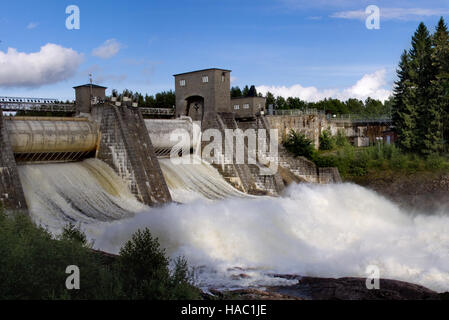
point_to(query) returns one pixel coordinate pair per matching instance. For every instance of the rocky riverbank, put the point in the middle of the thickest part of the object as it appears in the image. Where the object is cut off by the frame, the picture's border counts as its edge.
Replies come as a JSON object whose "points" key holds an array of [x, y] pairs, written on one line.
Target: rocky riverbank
{"points": [[312, 288], [425, 192]]}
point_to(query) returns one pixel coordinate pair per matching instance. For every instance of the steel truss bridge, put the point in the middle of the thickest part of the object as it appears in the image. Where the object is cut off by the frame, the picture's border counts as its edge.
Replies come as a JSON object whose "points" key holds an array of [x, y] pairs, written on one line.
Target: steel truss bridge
{"points": [[15, 104]]}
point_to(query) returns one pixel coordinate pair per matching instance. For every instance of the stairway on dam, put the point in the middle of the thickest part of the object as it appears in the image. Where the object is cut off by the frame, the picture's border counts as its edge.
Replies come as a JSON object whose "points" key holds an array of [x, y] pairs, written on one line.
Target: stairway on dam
{"points": [[126, 146]]}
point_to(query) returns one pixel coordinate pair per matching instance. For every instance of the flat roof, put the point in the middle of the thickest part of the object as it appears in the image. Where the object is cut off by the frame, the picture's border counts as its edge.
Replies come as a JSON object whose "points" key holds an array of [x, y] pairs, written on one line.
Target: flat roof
{"points": [[88, 85], [202, 70], [236, 98]]}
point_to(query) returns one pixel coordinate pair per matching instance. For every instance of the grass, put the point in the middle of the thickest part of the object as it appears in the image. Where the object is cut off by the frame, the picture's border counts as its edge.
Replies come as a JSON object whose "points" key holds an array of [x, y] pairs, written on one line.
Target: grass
{"points": [[356, 162]]}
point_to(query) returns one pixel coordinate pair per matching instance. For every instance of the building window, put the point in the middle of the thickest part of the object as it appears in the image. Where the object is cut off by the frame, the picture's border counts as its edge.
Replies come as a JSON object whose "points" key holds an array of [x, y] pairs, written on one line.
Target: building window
{"points": [[223, 77], [236, 107], [182, 83], [205, 79], [246, 106]]}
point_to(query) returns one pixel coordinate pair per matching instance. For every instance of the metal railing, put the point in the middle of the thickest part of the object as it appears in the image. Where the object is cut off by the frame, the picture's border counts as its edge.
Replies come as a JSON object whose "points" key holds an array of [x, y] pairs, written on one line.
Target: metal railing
{"points": [[12, 104], [359, 118], [158, 111], [297, 112], [15, 104]]}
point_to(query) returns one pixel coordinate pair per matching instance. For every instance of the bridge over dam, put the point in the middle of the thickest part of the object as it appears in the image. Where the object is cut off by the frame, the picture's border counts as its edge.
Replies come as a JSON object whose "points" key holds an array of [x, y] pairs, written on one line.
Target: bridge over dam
{"points": [[137, 148]]}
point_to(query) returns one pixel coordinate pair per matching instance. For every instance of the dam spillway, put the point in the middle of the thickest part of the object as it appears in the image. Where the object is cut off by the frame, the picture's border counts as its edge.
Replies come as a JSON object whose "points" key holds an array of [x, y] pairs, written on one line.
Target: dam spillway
{"points": [[90, 192], [196, 180], [39, 135], [52, 139], [83, 192]]}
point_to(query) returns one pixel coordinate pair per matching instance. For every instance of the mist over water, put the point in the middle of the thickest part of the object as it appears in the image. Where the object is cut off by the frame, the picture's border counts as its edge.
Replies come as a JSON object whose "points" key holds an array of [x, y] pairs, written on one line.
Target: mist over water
{"points": [[313, 230]]}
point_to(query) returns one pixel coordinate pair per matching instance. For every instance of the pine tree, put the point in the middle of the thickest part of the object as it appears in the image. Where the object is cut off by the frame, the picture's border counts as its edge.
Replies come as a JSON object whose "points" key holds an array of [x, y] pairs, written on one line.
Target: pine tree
{"points": [[404, 115], [422, 73], [440, 58]]}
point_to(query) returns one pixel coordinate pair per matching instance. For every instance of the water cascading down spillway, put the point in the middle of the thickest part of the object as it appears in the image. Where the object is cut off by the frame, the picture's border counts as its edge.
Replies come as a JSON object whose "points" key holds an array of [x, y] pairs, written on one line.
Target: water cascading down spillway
{"points": [[88, 191]]}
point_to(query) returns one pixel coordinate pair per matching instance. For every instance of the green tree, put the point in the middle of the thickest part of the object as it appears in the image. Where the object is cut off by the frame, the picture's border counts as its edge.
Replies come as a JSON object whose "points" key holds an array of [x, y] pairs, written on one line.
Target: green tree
{"points": [[404, 114], [145, 272], [252, 92], [236, 92], [281, 103], [326, 141], [298, 144], [423, 73], [270, 100], [354, 106], [440, 58]]}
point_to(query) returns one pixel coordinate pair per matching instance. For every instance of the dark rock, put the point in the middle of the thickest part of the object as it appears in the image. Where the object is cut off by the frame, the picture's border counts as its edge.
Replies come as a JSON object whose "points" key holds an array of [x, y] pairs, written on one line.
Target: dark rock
{"points": [[312, 288]]}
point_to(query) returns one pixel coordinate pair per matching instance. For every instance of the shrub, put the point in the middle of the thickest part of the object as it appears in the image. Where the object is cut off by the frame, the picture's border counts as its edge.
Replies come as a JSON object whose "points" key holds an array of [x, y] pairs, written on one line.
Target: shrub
{"points": [[326, 141], [73, 233], [340, 139], [298, 144], [146, 274], [435, 161], [33, 264]]}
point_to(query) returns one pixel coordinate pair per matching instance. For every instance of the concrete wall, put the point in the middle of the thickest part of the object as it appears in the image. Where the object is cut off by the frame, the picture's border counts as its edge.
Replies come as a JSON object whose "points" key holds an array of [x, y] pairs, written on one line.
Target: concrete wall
{"points": [[83, 95], [310, 125], [359, 133], [11, 192], [255, 106], [238, 175], [126, 146], [215, 92]]}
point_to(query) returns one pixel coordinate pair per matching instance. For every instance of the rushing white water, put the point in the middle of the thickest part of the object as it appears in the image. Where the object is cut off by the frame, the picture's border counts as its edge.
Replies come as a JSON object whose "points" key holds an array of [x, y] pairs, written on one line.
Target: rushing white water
{"points": [[197, 180], [315, 230], [86, 192]]}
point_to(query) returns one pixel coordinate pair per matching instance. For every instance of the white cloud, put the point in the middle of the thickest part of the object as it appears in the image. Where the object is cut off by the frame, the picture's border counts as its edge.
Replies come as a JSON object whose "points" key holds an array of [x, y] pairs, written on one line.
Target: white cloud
{"points": [[53, 63], [370, 85], [393, 13], [32, 25], [108, 49]]}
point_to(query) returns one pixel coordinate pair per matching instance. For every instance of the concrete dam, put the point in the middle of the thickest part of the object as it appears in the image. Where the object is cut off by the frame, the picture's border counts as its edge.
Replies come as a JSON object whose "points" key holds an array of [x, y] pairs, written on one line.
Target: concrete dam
{"points": [[115, 135], [34, 149]]}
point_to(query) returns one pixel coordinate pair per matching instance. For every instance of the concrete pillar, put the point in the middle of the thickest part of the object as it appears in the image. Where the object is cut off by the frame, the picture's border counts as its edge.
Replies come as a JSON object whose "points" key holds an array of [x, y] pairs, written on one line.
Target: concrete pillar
{"points": [[12, 197], [126, 146]]}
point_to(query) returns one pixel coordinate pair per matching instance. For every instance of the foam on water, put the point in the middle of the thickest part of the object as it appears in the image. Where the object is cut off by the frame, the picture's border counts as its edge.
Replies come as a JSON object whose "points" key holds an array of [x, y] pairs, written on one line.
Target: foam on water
{"points": [[314, 230], [85, 192], [196, 180]]}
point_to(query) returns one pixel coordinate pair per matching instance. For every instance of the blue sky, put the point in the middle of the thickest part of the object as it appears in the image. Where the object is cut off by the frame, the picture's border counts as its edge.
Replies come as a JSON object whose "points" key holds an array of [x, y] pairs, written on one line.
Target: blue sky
{"points": [[310, 49]]}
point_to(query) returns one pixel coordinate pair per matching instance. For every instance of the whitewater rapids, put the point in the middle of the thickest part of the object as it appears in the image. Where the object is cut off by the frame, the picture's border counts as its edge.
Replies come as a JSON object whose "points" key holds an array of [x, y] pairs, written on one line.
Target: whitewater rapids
{"points": [[312, 230]]}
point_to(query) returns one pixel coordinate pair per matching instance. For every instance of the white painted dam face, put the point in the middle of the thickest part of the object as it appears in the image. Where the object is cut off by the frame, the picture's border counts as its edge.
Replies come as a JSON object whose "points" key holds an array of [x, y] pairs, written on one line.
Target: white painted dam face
{"points": [[314, 230]]}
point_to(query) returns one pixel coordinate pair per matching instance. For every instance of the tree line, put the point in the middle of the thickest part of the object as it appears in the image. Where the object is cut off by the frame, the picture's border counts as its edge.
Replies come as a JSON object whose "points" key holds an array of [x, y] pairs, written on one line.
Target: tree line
{"points": [[164, 99], [369, 108], [420, 110]]}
